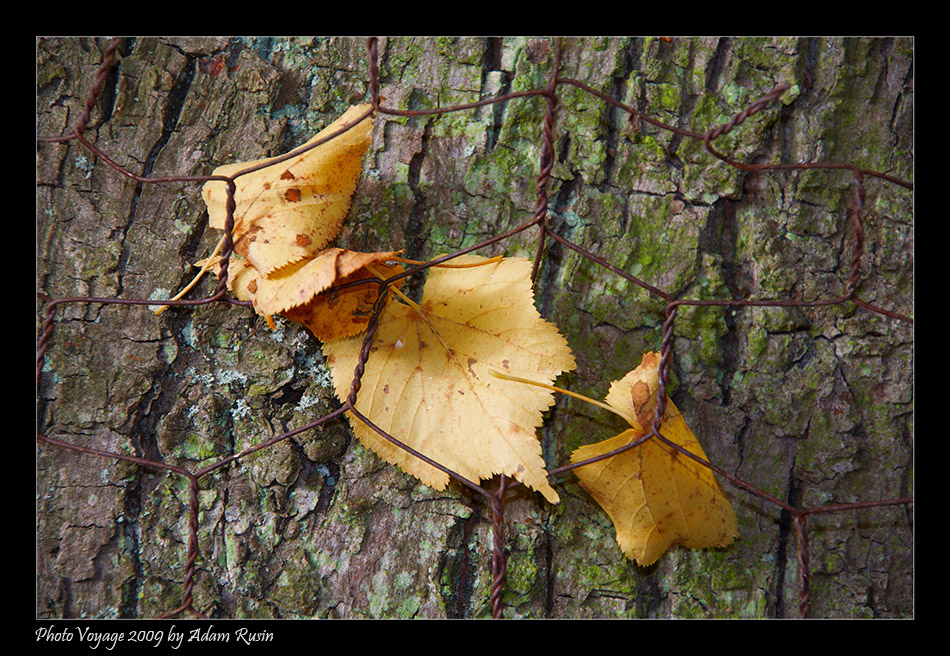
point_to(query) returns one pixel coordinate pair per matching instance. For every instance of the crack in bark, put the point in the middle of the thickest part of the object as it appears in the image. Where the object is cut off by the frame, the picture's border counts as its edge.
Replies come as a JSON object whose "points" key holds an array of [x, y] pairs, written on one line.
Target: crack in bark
{"points": [[171, 113], [457, 569], [719, 237], [786, 542], [417, 214], [492, 63]]}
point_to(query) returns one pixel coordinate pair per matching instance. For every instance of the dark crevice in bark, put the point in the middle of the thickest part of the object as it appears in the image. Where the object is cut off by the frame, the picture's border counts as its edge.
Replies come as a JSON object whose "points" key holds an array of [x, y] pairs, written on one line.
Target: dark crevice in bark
{"points": [[740, 442], [785, 552], [141, 426], [550, 575], [650, 598], [717, 64], [907, 86], [684, 111], [66, 598], [808, 66], [457, 569], [106, 100], [129, 544], [492, 62], [172, 111], [328, 488], [718, 237], [288, 394], [321, 476], [417, 225], [618, 89]]}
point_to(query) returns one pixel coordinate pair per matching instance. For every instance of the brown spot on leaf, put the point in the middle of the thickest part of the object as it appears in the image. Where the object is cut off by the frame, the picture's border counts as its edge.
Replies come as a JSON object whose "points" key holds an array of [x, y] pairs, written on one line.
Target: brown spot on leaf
{"points": [[640, 397], [302, 240], [287, 175], [292, 195]]}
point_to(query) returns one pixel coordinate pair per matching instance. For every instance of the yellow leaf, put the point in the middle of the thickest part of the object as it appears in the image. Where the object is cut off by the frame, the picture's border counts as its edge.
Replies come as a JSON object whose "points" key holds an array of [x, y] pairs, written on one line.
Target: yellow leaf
{"points": [[655, 496], [300, 283], [303, 296], [427, 379], [302, 292], [292, 210]]}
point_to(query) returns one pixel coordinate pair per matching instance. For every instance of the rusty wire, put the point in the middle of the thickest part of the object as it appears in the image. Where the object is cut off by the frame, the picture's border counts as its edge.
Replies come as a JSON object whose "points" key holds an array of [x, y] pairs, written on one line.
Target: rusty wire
{"points": [[539, 221]]}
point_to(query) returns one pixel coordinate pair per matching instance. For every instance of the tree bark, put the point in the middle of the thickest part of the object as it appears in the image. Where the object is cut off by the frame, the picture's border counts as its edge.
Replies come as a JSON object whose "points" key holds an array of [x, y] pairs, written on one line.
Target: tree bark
{"points": [[812, 405]]}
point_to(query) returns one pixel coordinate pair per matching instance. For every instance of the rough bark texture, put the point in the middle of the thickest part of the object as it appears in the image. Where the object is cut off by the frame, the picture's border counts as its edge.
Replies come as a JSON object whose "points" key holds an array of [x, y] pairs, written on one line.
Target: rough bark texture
{"points": [[813, 406]]}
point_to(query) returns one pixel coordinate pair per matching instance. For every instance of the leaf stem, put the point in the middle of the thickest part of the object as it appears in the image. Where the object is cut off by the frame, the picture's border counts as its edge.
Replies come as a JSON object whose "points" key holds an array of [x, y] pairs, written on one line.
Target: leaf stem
{"points": [[395, 290], [194, 281], [620, 413], [445, 265], [409, 301]]}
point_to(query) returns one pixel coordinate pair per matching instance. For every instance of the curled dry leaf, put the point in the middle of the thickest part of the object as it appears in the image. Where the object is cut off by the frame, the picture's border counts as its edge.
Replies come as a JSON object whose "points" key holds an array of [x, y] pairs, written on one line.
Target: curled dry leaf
{"points": [[291, 210], [285, 216], [299, 284], [655, 496], [303, 292], [427, 380]]}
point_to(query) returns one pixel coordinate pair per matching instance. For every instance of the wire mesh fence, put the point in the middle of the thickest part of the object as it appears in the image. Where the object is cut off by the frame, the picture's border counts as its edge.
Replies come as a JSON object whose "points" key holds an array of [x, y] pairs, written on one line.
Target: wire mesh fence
{"points": [[721, 201]]}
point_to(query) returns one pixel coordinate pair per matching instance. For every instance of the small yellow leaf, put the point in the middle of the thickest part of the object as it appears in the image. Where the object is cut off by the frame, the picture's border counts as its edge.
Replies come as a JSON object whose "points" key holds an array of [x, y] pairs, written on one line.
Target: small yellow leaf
{"points": [[292, 210], [300, 283], [655, 496], [427, 380], [303, 296], [302, 292]]}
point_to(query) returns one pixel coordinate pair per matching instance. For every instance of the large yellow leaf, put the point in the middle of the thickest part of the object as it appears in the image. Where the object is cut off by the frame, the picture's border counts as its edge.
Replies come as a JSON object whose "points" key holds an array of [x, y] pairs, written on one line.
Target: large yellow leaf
{"points": [[292, 210], [427, 380], [656, 497]]}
